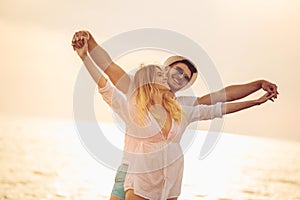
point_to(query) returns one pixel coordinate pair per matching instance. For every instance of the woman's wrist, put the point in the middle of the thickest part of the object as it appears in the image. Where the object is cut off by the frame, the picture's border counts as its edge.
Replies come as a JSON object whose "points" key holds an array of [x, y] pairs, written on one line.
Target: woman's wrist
{"points": [[256, 102], [83, 56]]}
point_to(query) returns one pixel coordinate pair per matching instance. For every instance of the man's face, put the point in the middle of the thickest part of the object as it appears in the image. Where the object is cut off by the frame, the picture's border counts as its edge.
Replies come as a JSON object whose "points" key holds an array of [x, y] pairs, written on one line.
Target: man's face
{"points": [[178, 76]]}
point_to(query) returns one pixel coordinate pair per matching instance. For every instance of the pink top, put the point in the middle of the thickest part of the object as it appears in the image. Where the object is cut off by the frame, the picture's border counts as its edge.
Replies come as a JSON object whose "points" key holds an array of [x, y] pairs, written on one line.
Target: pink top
{"points": [[155, 162]]}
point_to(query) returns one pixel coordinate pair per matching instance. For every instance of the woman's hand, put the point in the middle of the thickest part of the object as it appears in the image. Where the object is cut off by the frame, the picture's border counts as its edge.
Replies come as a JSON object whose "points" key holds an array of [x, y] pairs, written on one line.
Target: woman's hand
{"points": [[79, 37], [82, 52], [265, 98]]}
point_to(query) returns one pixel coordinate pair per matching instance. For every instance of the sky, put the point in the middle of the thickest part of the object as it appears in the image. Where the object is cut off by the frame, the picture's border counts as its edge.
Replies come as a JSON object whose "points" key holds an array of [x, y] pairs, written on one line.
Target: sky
{"points": [[247, 40]]}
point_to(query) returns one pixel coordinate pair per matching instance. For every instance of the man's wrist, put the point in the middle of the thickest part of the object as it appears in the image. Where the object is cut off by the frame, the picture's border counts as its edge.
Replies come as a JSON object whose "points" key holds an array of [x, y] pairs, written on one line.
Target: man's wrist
{"points": [[91, 43], [261, 83]]}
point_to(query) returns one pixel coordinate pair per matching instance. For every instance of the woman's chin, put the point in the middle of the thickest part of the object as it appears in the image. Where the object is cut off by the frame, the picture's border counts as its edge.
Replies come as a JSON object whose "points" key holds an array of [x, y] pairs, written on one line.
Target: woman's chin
{"points": [[164, 87]]}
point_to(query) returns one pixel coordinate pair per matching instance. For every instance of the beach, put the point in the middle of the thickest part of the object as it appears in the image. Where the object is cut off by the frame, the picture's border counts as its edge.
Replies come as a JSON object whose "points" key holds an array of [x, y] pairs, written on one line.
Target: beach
{"points": [[45, 159]]}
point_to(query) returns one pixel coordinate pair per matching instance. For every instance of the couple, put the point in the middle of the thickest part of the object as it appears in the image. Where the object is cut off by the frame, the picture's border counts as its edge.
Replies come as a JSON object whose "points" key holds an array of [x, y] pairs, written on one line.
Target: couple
{"points": [[155, 118]]}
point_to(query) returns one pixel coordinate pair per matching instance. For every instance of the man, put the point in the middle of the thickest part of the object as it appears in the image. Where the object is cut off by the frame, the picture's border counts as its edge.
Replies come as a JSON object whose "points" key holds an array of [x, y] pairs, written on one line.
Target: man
{"points": [[181, 74]]}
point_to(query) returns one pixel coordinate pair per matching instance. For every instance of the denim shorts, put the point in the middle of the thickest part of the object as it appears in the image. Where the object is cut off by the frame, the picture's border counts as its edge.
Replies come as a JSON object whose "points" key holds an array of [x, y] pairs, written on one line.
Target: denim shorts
{"points": [[118, 189]]}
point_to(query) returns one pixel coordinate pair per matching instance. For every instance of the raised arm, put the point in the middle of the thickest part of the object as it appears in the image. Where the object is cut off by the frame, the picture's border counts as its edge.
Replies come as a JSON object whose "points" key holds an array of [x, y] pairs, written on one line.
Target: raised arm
{"points": [[235, 92], [115, 73], [110, 95], [92, 69]]}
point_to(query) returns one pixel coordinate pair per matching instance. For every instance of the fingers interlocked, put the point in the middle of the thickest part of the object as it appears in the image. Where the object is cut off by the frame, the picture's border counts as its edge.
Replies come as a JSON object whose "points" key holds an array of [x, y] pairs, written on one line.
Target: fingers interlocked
{"points": [[79, 39]]}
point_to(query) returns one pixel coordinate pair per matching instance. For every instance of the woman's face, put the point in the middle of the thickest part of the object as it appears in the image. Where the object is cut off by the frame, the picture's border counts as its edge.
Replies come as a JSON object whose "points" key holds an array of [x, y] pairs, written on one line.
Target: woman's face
{"points": [[160, 78]]}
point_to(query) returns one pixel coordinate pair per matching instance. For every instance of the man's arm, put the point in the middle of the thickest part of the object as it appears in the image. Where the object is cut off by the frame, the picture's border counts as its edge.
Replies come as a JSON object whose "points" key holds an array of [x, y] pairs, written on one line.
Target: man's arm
{"points": [[235, 92], [115, 73]]}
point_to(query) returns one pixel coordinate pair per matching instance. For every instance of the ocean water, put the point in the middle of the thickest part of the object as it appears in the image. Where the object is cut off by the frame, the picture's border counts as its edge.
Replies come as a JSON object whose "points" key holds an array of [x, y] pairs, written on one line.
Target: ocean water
{"points": [[44, 159]]}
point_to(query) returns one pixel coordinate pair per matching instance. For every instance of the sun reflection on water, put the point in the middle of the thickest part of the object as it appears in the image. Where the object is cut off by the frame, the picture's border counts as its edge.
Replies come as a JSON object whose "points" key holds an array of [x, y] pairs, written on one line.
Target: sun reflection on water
{"points": [[46, 160]]}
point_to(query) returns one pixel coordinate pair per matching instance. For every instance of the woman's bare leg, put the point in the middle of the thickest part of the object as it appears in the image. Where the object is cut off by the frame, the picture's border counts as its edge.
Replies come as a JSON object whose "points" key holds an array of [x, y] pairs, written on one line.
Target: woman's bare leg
{"points": [[115, 198], [129, 195]]}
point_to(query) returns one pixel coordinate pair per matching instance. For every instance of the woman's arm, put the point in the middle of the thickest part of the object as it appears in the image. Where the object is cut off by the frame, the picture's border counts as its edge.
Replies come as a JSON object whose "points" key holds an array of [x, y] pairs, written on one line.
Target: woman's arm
{"points": [[92, 69], [115, 73], [235, 92], [110, 95], [228, 108], [205, 112]]}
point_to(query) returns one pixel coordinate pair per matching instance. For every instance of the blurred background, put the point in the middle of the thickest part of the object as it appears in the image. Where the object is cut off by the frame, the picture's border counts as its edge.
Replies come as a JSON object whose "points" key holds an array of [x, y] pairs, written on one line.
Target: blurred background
{"points": [[41, 156]]}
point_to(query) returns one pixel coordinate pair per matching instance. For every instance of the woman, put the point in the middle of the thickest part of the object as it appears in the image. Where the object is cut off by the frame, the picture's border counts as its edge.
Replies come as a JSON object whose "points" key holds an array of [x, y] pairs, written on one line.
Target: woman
{"points": [[155, 123]]}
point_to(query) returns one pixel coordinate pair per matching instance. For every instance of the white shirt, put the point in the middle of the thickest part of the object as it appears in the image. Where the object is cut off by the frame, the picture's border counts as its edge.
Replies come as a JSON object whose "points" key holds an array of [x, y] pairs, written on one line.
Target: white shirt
{"points": [[155, 162]]}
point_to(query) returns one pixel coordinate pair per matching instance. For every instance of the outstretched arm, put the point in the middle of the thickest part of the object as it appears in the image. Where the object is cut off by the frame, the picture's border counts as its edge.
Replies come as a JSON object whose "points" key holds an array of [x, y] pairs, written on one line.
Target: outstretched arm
{"points": [[205, 112], [228, 108], [235, 92], [115, 73]]}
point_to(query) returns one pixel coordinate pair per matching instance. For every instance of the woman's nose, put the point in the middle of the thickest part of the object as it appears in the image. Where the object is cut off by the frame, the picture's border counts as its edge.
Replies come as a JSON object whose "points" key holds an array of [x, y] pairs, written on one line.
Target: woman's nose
{"points": [[165, 76]]}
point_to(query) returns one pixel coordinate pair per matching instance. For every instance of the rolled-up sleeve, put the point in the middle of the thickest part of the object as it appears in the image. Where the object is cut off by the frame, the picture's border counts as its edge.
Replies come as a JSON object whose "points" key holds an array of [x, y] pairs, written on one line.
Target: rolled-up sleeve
{"points": [[205, 112], [115, 100]]}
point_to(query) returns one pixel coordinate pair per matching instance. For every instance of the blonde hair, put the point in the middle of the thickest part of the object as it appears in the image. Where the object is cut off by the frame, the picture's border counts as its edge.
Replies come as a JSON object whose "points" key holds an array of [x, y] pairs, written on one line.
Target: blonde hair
{"points": [[145, 89]]}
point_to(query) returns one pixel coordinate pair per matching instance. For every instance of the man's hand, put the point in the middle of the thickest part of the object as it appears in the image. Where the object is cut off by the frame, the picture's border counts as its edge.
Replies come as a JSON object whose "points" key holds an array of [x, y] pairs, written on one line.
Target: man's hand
{"points": [[271, 88], [79, 39]]}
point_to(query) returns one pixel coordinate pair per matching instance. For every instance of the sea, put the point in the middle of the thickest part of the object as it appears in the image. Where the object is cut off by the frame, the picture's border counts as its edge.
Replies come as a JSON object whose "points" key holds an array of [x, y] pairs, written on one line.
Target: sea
{"points": [[45, 159]]}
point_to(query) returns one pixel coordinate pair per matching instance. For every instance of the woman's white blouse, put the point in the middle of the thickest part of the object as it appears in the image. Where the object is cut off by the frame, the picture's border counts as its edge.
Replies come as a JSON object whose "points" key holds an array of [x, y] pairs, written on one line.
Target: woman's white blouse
{"points": [[155, 162]]}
